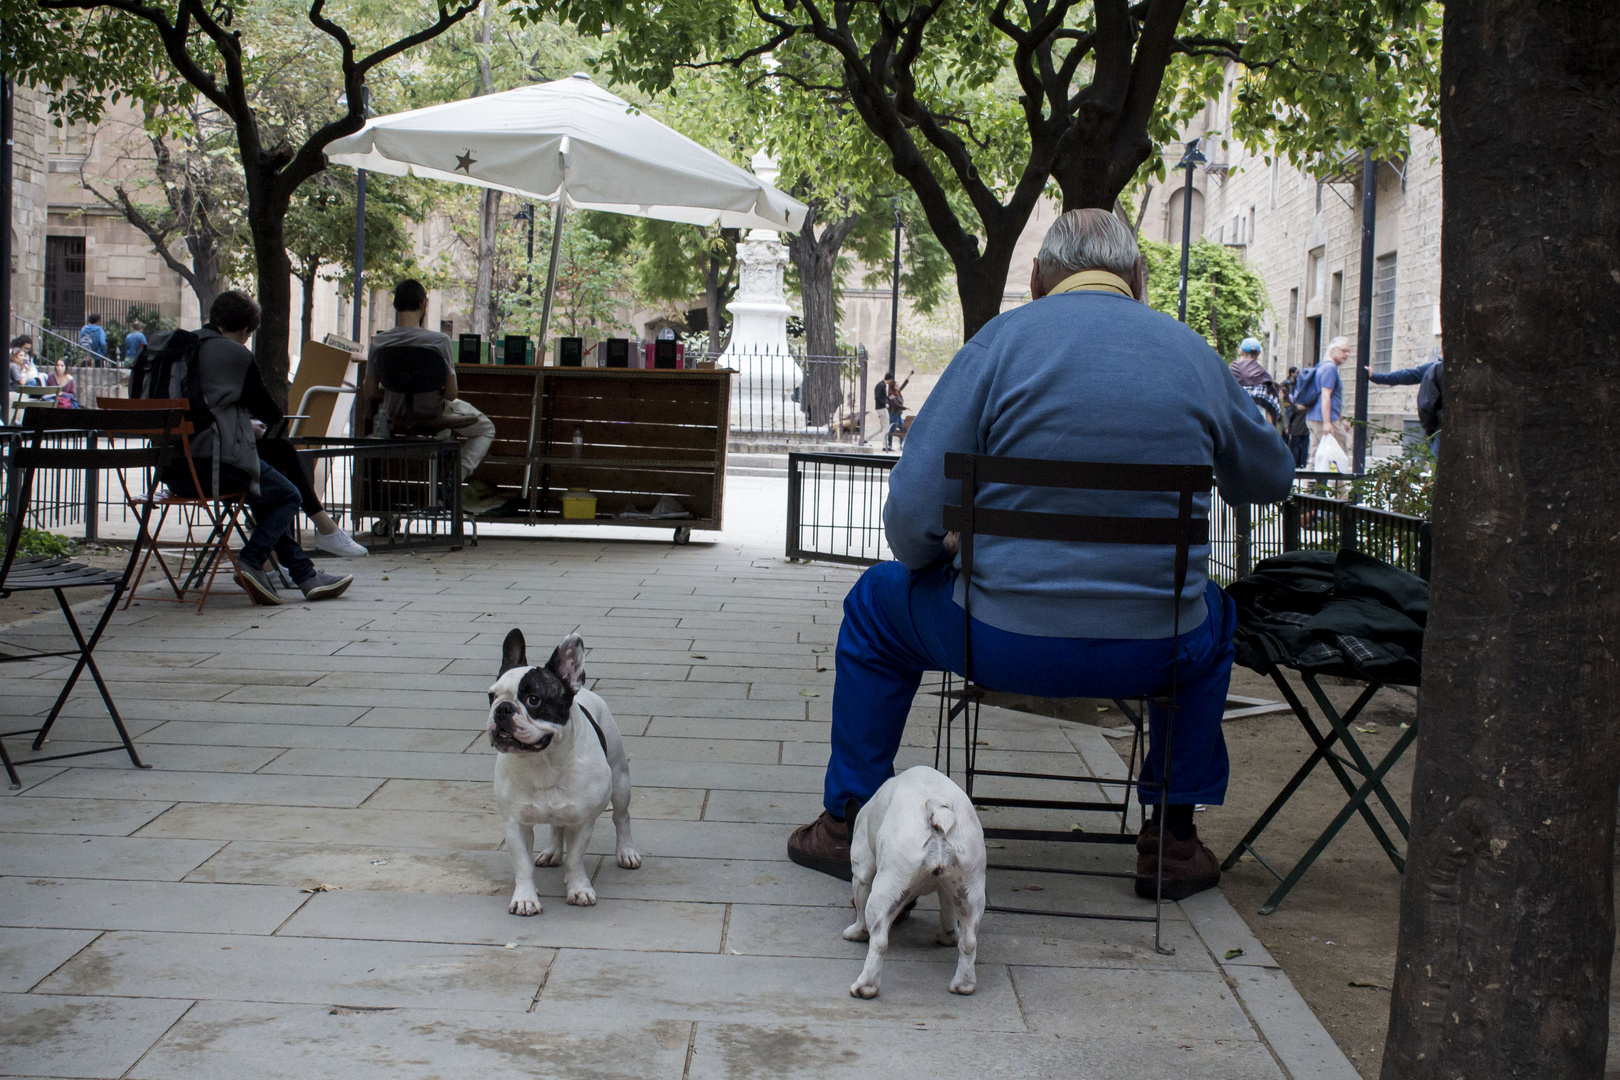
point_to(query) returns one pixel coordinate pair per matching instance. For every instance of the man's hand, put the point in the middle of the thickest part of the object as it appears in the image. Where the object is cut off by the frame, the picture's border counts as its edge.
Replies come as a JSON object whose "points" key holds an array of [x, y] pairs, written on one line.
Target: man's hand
{"points": [[258, 428], [952, 543]]}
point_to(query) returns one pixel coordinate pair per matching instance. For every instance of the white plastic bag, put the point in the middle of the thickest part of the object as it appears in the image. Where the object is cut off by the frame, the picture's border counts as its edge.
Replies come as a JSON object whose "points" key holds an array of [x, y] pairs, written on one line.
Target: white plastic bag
{"points": [[1330, 456]]}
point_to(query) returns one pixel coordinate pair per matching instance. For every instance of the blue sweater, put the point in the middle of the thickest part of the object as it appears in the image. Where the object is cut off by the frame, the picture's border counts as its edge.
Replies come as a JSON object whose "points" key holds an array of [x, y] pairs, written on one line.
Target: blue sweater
{"points": [[1082, 376]]}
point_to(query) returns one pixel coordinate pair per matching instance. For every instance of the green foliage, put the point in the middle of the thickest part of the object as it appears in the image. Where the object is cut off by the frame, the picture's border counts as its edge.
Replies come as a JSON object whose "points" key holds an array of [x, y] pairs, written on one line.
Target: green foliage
{"points": [[38, 542], [925, 269], [591, 282], [320, 228], [1403, 483], [1225, 299]]}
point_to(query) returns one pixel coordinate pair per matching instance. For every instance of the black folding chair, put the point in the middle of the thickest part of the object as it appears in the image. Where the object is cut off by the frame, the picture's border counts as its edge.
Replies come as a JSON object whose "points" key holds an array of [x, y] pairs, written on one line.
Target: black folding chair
{"points": [[970, 520], [45, 431]]}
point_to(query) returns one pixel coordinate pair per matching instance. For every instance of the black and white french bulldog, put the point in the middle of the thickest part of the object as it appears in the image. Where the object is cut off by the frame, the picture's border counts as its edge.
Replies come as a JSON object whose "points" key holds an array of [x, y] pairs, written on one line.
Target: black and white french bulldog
{"points": [[560, 762]]}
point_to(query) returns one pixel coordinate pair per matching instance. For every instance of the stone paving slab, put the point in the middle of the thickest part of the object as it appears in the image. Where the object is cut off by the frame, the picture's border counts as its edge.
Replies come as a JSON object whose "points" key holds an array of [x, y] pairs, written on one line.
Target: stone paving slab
{"points": [[357, 973], [145, 905], [44, 1035], [27, 955], [208, 787], [118, 857], [642, 925], [296, 1042], [595, 985], [859, 1052], [103, 817]]}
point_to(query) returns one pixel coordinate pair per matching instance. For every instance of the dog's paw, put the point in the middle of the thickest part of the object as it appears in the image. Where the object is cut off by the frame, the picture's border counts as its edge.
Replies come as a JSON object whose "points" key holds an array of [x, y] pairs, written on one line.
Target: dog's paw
{"points": [[549, 857], [945, 937], [962, 984], [856, 932], [582, 896], [629, 858], [863, 990], [524, 903]]}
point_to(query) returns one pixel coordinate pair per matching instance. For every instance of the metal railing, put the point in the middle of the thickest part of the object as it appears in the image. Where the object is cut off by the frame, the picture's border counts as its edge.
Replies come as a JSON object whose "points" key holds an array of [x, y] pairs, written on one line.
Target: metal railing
{"points": [[50, 346], [791, 393], [397, 493], [835, 507], [835, 514]]}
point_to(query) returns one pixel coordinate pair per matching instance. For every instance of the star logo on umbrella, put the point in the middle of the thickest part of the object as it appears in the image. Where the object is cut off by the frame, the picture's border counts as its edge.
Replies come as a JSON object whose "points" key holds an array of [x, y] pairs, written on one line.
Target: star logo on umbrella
{"points": [[465, 162]]}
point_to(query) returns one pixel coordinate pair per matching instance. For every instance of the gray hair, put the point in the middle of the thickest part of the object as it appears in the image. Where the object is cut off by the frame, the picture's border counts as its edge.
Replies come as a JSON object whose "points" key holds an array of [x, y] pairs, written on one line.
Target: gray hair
{"points": [[1340, 342], [1088, 240]]}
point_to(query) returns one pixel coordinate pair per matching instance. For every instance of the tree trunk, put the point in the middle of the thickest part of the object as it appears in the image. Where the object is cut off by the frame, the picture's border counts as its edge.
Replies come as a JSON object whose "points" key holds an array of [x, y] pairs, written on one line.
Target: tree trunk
{"points": [[816, 259], [204, 278], [275, 293], [712, 302], [484, 301], [307, 280], [979, 286], [1507, 912]]}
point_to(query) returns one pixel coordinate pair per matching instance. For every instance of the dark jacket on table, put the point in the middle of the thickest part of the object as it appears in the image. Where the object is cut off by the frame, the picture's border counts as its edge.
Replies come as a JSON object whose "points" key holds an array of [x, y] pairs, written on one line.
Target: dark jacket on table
{"points": [[1346, 614]]}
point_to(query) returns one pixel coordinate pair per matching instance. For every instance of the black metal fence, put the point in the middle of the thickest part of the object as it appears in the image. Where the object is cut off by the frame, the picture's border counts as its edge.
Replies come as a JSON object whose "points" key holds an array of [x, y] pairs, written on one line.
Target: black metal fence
{"points": [[794, 394], [395, 493], [835, 507], [835, 514]]}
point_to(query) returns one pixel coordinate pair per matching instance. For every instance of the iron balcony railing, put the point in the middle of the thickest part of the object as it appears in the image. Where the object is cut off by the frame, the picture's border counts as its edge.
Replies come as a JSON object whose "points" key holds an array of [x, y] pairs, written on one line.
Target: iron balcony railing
{"points": [[835, 514]]}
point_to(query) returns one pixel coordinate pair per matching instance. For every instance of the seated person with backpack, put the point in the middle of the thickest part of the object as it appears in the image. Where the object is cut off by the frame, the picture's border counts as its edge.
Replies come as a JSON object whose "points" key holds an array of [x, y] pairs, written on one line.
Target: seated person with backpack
{"points": [[214, 370], [413, 370]]}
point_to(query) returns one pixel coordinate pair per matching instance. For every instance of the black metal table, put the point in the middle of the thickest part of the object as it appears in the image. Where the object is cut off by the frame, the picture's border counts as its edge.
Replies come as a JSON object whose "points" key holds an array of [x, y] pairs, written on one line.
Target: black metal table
{"points": [[1353, 760]]}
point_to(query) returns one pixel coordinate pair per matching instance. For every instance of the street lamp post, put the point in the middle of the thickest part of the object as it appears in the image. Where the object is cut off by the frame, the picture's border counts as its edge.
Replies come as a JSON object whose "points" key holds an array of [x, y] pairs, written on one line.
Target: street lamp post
{"points": [[359, 217], [1189, 161], [527, 214]]}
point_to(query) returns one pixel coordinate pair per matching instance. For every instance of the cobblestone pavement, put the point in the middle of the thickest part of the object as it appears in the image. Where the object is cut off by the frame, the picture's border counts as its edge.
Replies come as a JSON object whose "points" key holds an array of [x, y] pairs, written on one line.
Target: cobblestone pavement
{"points": [[309, 882]]}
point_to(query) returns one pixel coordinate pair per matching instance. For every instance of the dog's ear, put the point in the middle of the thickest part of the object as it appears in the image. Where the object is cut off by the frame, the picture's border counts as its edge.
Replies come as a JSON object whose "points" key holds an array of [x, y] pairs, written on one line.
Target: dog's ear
{"points": [[568, 661], [513, 652]]}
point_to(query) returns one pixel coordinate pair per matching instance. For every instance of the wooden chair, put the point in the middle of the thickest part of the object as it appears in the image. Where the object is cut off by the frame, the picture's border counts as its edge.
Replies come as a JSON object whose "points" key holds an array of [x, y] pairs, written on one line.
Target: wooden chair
{"points": [[38, 449], [220, 515]]}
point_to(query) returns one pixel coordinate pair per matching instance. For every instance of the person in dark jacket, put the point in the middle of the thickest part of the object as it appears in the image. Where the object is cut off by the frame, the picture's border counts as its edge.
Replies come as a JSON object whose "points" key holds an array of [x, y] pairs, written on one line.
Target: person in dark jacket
{"points": [[227, 458], [1430, 402]]}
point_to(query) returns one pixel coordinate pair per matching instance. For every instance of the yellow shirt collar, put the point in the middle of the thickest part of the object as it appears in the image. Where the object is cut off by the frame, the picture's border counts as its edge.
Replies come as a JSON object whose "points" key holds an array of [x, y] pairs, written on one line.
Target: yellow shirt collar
{"points": [[1094, 281]]}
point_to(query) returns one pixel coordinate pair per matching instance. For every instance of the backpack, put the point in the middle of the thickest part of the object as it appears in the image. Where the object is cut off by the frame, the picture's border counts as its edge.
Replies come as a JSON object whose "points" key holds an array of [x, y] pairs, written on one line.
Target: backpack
{"points": [[153, 376], [881, 395], [1306, 392]]}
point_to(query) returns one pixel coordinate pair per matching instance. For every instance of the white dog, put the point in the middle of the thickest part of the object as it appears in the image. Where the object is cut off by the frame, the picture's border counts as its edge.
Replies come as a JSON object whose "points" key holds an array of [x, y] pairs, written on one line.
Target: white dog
{"points": [[917, 835], [560, 762]]}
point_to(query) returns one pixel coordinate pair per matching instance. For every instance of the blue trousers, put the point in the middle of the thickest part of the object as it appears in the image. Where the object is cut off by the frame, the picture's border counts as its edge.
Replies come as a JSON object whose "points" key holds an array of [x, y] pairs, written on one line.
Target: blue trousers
{"points": [[899, 624]]}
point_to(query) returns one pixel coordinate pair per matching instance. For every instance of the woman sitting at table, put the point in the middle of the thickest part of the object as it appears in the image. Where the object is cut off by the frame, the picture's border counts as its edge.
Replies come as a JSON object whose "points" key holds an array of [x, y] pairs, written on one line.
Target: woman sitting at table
{"points": [[67, 391]]}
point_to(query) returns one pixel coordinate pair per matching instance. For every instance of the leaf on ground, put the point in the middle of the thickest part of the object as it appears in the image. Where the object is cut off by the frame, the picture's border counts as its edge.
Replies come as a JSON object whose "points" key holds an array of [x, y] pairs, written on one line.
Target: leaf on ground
{"points": [[1233, 954], [1102, 708], [698, 656], [1029, 888], [1369, 984], [1368, 730], [808, 693], [322, 887]]}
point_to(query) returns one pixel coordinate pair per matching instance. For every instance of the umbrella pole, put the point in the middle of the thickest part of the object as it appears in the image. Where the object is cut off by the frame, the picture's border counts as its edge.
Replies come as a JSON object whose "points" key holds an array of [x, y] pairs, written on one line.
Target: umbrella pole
{"points": [[545, 330]]}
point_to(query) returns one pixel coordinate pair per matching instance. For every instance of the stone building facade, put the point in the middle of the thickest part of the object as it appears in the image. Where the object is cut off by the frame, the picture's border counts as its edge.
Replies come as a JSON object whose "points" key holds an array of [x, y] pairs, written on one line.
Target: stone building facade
{"points": [[30, 125], [1302, 234]]}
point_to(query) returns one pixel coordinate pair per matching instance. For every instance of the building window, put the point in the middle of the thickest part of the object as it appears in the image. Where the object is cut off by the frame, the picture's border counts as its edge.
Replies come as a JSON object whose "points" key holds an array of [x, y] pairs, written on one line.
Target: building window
{"points": [[69, 140], [1335, 310], [64, 281], [1315, 273], [1383, 312], [1293, 320], [1178, 202], [1276, 170]]}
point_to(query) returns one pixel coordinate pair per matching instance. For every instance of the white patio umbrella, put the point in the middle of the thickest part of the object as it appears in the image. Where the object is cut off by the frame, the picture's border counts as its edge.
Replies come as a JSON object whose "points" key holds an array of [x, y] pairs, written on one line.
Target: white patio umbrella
{"points": [[571, 143]]}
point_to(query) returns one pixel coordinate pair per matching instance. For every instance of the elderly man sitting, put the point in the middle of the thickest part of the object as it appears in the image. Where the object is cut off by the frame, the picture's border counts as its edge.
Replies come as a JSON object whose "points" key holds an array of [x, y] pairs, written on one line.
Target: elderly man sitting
{"points": [[1084, 373]]}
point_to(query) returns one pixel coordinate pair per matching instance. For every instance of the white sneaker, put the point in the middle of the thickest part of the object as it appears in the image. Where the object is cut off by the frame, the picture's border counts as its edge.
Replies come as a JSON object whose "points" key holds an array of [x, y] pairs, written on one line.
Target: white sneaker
{"points": [[339, 542]]}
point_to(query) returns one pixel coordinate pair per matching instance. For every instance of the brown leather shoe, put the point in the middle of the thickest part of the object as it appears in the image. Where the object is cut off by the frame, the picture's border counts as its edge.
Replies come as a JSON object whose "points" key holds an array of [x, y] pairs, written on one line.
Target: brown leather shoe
{"points": [[1189, 866], [823, 845]]}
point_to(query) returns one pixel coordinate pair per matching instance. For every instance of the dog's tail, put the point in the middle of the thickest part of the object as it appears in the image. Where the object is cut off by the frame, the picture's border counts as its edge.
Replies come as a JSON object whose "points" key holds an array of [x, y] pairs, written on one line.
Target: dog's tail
{"points": [[941, 819]]}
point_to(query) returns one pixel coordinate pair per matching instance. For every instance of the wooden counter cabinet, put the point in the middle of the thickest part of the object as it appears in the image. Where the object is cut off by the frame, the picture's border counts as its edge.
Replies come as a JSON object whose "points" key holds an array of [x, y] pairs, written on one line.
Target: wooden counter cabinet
{"points": [[644, 435]]}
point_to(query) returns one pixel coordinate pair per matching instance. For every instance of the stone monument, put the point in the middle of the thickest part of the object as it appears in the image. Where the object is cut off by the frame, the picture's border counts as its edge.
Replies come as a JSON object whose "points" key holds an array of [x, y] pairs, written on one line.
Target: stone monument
{"points": [[762, 394]]}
